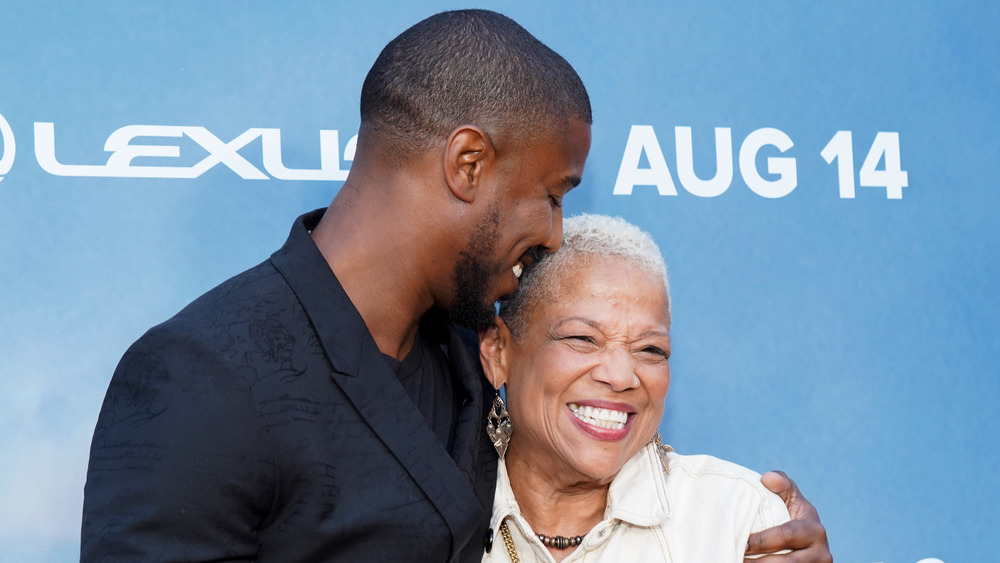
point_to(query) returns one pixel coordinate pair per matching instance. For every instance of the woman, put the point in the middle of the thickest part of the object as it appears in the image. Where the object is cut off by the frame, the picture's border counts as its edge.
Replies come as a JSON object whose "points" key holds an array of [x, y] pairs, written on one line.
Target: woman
{"points": [[583, 350]]}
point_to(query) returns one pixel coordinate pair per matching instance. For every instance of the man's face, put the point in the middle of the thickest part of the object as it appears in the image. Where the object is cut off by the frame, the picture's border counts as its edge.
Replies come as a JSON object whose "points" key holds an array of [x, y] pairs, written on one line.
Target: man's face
{"points": [[522, 217]]}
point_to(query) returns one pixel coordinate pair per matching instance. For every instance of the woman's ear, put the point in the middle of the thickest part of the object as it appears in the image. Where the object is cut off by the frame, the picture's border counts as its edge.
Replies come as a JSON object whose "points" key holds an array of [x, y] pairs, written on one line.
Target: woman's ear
{"points": [[467, 152], [493, 346]]}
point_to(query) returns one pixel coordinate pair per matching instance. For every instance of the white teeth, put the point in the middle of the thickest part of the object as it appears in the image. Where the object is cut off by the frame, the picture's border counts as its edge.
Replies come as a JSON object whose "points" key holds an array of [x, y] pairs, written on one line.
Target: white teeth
{"points": [[605, 418], [517, 270]]}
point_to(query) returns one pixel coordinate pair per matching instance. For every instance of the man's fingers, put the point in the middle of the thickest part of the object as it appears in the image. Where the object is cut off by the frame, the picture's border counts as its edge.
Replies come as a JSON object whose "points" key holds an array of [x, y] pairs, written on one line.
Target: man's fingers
{"points": [[789, 535], [779, 483], [809, 536], [798, 507], [810, 555], [804, 535]]}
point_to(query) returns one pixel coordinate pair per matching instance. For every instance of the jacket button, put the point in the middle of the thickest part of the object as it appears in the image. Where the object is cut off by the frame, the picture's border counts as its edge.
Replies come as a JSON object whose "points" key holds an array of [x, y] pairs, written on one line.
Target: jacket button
{"points": [[488, 540]]}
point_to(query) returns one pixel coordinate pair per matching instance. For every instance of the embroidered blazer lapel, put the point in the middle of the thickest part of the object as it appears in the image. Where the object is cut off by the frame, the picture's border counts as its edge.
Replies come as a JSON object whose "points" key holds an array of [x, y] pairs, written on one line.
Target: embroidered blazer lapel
{"points": [[373, 389], [473, 452]]}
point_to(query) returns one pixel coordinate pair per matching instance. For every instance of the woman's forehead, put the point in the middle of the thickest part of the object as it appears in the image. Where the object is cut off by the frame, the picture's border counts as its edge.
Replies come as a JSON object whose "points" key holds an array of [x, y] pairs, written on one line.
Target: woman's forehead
{"points": [[610, 275], [609, 286]]}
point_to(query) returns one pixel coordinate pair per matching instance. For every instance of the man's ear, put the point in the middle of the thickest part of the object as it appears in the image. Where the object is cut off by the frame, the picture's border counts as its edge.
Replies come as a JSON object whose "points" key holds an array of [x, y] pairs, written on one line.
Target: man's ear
{"points": [[468, 151], [493, 347]]}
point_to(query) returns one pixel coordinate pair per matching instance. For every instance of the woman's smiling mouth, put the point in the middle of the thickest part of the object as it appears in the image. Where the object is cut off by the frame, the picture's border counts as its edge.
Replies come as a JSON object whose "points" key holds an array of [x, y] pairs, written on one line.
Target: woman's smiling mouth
{"points": [[603, 418]]}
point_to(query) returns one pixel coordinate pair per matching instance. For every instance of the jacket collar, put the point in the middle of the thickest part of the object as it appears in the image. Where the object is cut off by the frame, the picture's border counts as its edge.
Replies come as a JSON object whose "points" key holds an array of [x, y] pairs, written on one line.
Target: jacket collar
{"points": [[360, 370], [637, 495]]}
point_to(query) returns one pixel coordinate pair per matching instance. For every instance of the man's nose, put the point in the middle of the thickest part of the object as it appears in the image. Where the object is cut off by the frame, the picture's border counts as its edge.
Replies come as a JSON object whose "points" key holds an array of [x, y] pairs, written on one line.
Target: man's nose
{"points": [[554, 241]]}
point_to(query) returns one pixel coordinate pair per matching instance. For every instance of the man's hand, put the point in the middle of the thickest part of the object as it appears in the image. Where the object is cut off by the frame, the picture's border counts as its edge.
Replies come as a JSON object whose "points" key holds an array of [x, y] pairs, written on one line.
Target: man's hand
{"points": [[804, 535]]}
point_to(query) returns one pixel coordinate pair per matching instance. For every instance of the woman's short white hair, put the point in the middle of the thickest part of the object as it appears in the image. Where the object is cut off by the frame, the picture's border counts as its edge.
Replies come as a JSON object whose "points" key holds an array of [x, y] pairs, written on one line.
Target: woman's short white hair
{"points": [[584, 236]]}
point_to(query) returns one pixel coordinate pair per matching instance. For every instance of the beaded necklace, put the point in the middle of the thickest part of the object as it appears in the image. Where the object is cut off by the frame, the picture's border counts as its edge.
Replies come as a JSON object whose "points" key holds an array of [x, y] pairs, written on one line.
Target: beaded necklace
{"points": [[558, 542]]}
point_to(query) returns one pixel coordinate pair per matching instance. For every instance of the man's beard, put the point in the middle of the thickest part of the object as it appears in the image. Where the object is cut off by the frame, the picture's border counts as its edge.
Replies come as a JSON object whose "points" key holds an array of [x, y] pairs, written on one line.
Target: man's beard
{"points": [[473, 307]]}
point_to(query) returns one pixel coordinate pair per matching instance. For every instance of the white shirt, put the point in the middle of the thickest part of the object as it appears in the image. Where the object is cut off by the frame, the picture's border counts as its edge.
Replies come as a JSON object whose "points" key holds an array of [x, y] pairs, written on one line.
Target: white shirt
{"points": [[702, 511]]}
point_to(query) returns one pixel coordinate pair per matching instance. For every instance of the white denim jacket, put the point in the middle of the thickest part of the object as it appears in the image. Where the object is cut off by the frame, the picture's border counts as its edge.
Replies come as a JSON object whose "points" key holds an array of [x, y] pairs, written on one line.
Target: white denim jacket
{"points": [[702, 511]]}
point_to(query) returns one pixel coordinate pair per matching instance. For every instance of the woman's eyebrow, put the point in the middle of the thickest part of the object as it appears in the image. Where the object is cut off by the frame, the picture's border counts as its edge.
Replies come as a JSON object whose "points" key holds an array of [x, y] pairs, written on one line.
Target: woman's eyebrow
{"points": [[584, 320]]}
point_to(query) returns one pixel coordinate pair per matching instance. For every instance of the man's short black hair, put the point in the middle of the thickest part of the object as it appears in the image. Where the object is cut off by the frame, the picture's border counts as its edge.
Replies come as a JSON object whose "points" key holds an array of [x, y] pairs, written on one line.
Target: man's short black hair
{"points": [[468, 67]]}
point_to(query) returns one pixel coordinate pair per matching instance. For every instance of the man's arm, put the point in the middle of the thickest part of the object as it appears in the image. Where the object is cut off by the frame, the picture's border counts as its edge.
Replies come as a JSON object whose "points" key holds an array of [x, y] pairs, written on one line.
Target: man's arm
{"points": [[174, 472], [803, 534]]}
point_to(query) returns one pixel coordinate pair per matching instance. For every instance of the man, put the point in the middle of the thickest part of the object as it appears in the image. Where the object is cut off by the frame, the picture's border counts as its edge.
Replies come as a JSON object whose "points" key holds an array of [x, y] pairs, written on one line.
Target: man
{"points": [[320, 406]]}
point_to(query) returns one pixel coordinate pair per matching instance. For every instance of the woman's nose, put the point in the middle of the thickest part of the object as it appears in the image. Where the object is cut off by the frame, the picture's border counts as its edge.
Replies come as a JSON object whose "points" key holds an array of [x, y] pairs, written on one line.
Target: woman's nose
{"points": [[617, 370]]}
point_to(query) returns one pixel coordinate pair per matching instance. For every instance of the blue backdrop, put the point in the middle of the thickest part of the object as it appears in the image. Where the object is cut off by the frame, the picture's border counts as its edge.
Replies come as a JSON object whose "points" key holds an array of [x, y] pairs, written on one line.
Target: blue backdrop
{"points": [[822, 178]]}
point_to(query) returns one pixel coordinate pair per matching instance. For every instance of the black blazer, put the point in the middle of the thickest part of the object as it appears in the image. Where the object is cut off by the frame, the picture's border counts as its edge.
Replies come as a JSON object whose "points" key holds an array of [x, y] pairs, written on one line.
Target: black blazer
{"points": [[261, 423]]}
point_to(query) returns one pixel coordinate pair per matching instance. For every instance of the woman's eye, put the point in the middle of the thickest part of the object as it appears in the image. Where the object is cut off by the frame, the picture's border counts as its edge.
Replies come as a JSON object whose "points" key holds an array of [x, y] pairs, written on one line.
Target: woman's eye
{"points": [[656, 351], [579, 341]]}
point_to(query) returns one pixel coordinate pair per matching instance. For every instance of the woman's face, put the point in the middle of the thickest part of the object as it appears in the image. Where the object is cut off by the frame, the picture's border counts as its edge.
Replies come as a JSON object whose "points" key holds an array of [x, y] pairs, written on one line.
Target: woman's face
{"points": [[587, 383]]}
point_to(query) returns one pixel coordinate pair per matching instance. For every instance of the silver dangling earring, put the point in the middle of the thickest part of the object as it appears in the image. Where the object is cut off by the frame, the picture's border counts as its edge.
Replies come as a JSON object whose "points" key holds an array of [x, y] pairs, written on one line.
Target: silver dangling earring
{"points": [[498, 425], [661, 451]]}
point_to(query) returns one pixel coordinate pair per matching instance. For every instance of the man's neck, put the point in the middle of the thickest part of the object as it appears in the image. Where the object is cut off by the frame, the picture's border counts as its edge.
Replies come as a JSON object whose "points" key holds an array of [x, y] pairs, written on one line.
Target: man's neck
{"points": [[381, 267]]}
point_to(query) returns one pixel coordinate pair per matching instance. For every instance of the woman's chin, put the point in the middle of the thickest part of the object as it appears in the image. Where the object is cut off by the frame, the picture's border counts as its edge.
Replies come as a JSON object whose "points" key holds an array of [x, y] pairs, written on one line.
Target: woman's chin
{"points": [[599, 464]]}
